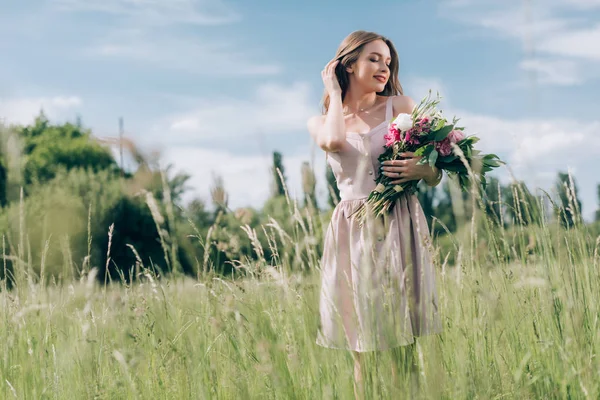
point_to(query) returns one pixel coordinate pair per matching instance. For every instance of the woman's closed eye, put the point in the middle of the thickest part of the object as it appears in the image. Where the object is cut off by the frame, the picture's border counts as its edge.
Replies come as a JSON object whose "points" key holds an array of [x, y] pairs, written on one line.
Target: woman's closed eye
{"points": [[375, 60]]}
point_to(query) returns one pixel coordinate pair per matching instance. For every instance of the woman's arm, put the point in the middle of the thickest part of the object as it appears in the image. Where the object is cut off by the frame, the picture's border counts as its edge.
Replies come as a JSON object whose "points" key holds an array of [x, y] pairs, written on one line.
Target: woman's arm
{"points": [[329, 131], [434, 178]]}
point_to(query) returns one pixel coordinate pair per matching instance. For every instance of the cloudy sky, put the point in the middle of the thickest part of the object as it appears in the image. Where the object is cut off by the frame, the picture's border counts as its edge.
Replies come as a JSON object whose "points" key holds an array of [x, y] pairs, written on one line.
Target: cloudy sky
{"points": [[217, 85]]}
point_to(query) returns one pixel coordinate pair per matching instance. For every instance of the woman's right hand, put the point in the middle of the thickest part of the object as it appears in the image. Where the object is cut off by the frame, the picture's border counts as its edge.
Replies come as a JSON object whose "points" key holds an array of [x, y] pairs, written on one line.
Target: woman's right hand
{"points": [[330, 78]]}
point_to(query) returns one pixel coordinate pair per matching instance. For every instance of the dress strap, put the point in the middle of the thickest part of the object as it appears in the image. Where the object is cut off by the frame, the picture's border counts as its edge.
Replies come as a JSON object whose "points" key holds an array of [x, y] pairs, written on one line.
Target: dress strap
{"points": [[388, 109]]}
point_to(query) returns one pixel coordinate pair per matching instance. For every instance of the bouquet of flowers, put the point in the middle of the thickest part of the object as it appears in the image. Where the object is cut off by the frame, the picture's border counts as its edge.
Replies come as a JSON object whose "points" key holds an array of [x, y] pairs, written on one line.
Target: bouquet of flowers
{"points": [[427, 133]]}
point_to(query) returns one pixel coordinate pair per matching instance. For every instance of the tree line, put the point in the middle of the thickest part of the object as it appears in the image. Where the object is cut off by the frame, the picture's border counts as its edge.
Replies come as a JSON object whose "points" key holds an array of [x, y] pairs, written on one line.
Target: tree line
{"points": [[67, 207]]}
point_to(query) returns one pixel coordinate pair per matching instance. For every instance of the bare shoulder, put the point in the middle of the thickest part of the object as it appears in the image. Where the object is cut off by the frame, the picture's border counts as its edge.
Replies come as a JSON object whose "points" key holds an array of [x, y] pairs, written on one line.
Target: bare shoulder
{"points": [[314, 123], [402, 104]]}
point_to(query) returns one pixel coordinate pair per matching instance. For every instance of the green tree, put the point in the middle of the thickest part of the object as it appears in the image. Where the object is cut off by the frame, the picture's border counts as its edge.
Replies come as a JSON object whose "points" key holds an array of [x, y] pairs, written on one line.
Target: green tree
{"points": [[3, 181], [522, 206], [49, 147], [198, 214], [158, 180], [10, 164], [219, 195], [598, 210], [569, 204], [492, 198], [279, 182]]}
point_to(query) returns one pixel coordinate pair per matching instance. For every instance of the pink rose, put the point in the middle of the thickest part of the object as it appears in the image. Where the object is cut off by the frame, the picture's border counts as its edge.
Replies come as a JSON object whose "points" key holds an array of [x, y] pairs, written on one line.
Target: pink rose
{"points": [[444, 147], [456, 136]]}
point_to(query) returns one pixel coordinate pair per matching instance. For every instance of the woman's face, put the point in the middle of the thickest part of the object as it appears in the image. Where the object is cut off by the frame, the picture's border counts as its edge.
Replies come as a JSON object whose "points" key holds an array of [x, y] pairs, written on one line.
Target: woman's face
{"points": [[371, 71]]}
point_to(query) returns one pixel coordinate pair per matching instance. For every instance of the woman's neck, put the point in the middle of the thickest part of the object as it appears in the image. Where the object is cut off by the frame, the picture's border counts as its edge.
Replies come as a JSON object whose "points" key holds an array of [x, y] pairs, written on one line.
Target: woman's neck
{"points": [[355, 102]]}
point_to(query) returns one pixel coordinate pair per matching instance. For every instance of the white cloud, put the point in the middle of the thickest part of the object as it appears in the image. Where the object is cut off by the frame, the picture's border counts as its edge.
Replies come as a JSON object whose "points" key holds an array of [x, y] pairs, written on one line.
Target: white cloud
{"points": [[273, 109], [149, 32], [582, 43], [24, 110], [542, 28], [417, 88], [197, 55], [158, 12], [554, 71], [584, 4], [536, 149], [531, 143], [247, 178]]}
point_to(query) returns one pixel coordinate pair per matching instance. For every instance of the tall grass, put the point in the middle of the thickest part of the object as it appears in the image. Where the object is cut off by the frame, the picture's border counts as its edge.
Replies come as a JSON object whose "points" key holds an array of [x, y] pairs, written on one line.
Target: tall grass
{"points": [[519, 307]]}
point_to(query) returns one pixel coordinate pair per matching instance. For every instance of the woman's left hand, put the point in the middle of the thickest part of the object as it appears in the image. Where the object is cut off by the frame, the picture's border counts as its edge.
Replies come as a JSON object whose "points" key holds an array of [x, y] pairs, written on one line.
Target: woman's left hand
{"points": [[406, 170]]}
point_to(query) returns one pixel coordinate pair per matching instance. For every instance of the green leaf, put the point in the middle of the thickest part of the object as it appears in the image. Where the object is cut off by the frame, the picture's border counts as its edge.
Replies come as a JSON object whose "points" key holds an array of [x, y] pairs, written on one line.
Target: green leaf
{"points": [[420, 151], [440, 124], [441, 134], [424, 150], [455, 167], [494, 164], [491, 156], [433, 157], [447, 159], [464, 181]]}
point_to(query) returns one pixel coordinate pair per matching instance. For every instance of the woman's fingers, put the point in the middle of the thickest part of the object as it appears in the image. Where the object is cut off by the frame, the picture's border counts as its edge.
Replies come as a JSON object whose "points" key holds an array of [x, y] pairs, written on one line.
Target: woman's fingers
{"points": [[395, 169], [330, 65], [329, 68], [392, 174], [389, 163], [404, 176], [330, 79]]}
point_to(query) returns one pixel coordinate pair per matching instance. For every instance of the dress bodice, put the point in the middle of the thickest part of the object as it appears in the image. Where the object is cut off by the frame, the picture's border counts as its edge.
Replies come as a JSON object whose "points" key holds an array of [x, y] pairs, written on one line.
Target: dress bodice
{"points": [[356, 165]]}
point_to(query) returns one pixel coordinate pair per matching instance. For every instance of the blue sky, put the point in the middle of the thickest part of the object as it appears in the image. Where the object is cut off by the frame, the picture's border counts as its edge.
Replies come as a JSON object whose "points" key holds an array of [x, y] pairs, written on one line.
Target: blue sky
{"points": [[216, 86]]}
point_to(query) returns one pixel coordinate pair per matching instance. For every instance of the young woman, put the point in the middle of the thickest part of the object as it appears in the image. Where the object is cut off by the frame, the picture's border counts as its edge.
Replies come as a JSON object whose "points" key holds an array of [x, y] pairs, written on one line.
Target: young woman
{"points": [[378, 287]]}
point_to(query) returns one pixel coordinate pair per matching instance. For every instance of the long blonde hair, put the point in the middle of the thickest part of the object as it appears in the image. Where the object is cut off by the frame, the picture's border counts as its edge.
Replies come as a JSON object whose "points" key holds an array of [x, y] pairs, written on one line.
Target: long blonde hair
{"points": [[349, 51]]}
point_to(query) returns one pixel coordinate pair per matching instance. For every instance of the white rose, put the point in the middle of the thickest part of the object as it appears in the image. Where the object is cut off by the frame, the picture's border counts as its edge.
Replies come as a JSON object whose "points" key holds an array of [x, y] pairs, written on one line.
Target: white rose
{"points": [[403, 122]]}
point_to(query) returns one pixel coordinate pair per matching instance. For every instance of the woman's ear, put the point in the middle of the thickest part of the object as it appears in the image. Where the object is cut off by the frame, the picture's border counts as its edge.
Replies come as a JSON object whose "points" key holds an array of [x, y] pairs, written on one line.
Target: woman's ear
{"points": [[349, 70]]}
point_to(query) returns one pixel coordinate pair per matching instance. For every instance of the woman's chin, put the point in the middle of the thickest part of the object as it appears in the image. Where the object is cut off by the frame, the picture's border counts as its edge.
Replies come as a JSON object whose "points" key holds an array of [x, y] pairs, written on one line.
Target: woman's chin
{"points": [[374, 87], [379, 87]]}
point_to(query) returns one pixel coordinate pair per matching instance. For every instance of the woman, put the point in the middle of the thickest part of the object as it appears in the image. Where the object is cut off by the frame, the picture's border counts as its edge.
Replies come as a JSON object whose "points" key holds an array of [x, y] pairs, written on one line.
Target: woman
{"points": [[378, 286]]}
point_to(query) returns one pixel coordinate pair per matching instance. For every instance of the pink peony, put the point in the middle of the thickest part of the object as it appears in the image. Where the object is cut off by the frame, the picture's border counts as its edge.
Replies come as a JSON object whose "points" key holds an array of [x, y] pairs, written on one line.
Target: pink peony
{"points": [[392, 136], [444, 147], [456, 136]]}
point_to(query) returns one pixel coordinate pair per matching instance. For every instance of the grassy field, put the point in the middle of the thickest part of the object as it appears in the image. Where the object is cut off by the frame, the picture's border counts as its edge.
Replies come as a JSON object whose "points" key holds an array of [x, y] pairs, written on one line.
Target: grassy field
{"points": [[520, 311]]}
